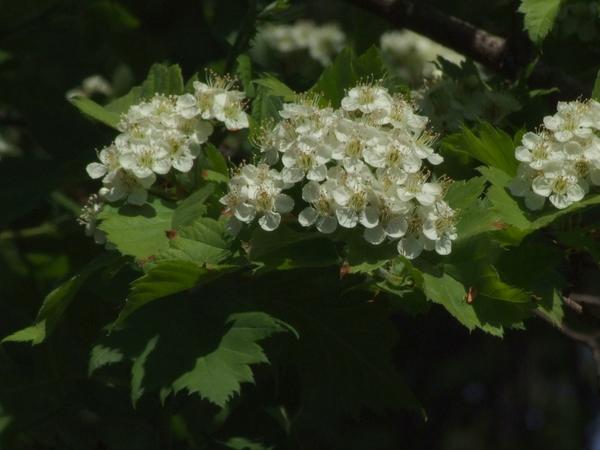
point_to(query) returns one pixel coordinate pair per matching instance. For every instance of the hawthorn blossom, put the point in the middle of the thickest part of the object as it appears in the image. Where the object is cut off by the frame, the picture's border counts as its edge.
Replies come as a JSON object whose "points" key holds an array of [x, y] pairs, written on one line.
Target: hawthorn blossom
{"points": [[562, 160]]}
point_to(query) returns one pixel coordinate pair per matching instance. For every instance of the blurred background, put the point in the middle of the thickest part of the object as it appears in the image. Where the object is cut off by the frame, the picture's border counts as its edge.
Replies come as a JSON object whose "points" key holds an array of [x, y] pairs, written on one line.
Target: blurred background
{"points": [[534, 389]]}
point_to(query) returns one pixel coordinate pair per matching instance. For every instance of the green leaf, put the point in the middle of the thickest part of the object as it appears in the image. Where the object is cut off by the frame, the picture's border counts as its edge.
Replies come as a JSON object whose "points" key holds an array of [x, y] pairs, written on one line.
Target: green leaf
{"points": [[462, 194], [336, 78], [363, 257], [239, 443], [277, 88], [489, 145], [56, 303], [205, 241], [443, 289], [343, 355], [103, 356], [217, 376], [161, 79], [369, 66], [193, 207], [167, 278], [244, 73], [97, 112], [492, 302], [138, 231], [474, 215], [285, 249], [540, 16], [346, 71], [210, 346], [215, 160], [265, 106]]}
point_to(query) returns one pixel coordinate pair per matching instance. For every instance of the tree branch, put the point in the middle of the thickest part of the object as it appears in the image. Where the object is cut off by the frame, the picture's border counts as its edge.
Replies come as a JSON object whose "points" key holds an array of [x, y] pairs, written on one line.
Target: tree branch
{"points": [[592, 340], [494, 52]]}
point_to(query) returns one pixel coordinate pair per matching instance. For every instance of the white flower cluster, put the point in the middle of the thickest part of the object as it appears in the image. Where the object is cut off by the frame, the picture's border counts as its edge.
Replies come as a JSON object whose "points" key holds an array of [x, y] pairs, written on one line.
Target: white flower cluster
{"points": [[321, 41], [360, 164], [415, 55], [162, 133], [94, 84], [562, 160]]}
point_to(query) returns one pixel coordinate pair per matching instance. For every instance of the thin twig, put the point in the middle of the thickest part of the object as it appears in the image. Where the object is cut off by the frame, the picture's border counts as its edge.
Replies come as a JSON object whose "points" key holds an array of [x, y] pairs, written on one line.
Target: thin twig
{"points": [[573, 304], [591, 340]]}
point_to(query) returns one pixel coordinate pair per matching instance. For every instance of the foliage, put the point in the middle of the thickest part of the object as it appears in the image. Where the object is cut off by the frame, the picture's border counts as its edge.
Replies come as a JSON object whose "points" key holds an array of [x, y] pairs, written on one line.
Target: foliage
{"points": [[180, 329]]}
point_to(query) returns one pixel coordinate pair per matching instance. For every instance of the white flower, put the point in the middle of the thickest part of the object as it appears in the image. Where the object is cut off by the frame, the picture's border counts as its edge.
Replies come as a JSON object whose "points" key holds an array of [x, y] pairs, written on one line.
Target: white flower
{"points": [[572, 119], [417, 187], [307, 158], [257, 192], [561, 161], [351, 196], [123, 184], [520, 186], [394, 154], [322, 42], [228, 108], [321, 211], [537, 150], [144, 160], [439, 226], [94, 84], [367, 99], [359, 165], [109, 162], [561, 186]]}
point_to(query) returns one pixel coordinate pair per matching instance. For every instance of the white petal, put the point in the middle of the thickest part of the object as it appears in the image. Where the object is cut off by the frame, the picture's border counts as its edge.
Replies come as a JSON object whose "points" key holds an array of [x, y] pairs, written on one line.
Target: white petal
{"points": [[326, 224], [318, 173], [534, 202], [396, 227], [128, 160], [245, 212], [542, 186], [184, 164], [430, 230], [435, 159], [284, 203], [148, 181], [369, 218], [96, 170], [161, 166], [269, 221], [341, 196], [374, 235], [311, 191], [530, 139], [443, 246], [410, 247], [575, 193], [347, 217], [307, 216], [561, 201], [292, 175], [523, 154]]}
